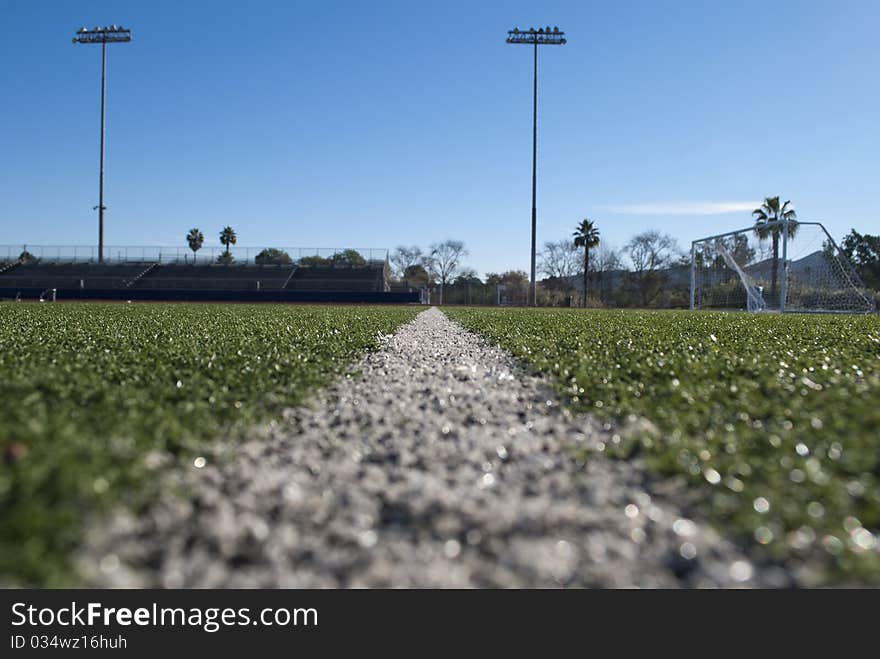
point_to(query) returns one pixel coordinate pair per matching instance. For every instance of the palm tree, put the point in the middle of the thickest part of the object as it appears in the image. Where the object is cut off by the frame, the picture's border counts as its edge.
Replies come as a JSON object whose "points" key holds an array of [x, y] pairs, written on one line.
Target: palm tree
{"points": [[195, 238], [586, 236], [227, 237], [772, 211]]}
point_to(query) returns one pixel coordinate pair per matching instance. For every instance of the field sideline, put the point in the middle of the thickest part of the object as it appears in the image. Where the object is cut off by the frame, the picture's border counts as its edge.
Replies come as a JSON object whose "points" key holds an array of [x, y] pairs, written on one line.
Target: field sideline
{"points": [[765, 420]]}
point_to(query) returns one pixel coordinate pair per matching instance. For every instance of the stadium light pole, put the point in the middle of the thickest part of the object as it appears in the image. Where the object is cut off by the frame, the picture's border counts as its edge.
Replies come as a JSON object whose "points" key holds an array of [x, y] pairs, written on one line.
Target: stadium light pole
{"points": [[103, 36], [532, 37]]}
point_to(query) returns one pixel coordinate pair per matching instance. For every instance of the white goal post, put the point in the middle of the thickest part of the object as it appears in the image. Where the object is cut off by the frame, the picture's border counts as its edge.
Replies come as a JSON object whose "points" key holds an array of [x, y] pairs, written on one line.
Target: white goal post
{"points": [[781, 266]]}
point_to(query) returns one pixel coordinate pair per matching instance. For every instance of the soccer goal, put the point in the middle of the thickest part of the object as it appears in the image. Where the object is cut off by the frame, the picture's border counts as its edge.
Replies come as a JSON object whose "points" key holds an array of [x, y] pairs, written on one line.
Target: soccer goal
{"points": [[777, 266]]}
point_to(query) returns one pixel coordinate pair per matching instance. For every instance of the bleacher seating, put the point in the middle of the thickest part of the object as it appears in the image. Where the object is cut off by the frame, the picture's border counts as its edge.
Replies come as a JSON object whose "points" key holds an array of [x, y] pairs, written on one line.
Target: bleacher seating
{"points": [[216, 277], [369, 278], [159, 276], [69, 275]]}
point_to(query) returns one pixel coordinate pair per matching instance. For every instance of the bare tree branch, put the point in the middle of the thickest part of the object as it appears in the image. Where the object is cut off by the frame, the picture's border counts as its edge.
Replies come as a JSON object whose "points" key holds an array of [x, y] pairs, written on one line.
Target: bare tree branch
{"points": [[444, 260], [560, 259], [405, 257]]}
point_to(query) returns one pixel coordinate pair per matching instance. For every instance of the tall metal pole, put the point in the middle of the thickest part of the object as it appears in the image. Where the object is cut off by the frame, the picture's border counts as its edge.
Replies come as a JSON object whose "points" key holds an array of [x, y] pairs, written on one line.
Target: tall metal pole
{"points": [[103, 36], [693, 275], [535, 38], [533, 292], [101, 182], [783, 289]]}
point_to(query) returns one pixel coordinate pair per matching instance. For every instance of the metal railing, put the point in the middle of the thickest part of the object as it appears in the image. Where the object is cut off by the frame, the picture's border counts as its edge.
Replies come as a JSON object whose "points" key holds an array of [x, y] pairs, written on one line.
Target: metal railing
{"points": [[160, 254]]}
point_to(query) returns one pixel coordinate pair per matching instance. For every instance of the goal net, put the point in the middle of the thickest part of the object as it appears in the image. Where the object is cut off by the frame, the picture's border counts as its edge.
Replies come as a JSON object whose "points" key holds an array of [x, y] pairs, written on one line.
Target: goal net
{"points": [[784, 266]]}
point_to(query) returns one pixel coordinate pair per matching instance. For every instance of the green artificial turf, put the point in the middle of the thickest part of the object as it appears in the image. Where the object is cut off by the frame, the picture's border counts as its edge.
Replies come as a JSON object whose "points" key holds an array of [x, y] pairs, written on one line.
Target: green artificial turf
{"points": [[87, 391], [774, 419]]}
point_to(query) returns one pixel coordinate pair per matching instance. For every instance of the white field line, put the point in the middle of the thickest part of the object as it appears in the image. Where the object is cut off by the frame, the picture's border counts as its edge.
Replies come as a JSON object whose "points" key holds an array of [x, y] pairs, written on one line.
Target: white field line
{"points": [[440, 463]]}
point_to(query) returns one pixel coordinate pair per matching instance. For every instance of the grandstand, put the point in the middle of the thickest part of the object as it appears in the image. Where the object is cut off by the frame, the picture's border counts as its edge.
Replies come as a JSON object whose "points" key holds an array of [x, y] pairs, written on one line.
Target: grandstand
{"points": [[215, 277], [67, 275], [311, 278], [368, 278]]}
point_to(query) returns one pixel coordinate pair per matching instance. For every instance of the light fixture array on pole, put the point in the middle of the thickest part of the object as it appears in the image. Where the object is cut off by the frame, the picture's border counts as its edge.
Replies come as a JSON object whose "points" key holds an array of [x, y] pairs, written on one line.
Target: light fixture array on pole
{"points": [[103, 36], [535, 37]]}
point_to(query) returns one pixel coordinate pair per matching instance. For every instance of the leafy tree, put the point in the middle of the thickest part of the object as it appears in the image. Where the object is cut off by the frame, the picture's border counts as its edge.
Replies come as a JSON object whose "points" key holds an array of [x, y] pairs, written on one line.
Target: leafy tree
{"points": [[416, 275], [227, 238], [516, 283], [556, 284], [863, 250], [27, 257], [272, 256], [310, 261], [587, 236], [514, 278], [772, 211], [195, 238], [738, 247], [468, 276], [444, 261], [349, 257]]}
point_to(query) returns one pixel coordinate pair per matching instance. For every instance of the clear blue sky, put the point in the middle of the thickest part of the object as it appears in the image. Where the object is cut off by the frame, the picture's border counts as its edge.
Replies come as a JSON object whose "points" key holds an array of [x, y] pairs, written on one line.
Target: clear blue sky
{"points": [[382, 123]]}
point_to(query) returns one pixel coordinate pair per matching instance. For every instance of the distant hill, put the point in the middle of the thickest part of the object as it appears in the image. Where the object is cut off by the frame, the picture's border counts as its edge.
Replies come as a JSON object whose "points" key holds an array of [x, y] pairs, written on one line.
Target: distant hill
{"points": [[799, 267], [676, 276], [680, 276]]}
